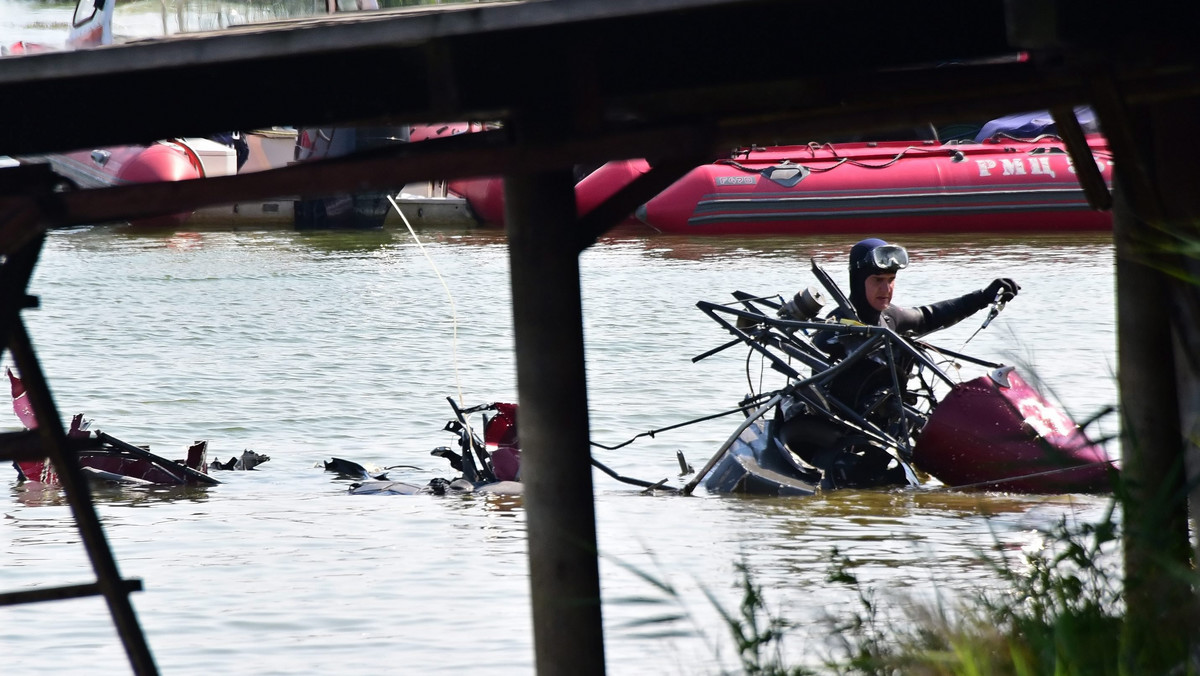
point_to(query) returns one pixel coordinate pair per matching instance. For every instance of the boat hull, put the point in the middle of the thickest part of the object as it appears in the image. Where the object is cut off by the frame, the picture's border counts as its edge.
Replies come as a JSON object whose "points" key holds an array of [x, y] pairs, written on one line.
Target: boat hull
{"points": [[485, 194], [124, 165], [265, 149]]}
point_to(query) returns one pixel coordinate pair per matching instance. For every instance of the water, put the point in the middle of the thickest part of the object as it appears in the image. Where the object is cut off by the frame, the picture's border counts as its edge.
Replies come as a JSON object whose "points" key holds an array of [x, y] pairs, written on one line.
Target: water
{"points": [[46, 22], [39, 22], [310, 346]]}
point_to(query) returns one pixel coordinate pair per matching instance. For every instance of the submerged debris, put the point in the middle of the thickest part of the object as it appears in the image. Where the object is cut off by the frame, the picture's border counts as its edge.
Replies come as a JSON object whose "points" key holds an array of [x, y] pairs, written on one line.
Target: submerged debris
{"points": [[248, 460]]}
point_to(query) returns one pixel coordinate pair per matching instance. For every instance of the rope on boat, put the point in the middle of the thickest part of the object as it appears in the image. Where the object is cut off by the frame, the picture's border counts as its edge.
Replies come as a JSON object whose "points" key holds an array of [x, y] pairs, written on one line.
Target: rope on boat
{"points": [[840, 161], [1036, 139], [813, 147]]}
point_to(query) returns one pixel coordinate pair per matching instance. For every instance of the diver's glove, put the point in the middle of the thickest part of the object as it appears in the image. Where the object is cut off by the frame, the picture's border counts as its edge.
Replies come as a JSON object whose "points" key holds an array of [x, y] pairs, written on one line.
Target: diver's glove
{"points": [[1003, 289]]}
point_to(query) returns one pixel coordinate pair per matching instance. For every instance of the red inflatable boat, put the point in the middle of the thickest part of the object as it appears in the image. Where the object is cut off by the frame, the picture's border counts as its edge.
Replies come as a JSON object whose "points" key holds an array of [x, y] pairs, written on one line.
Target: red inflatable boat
{"points": [[485, 194], [997, 433], [1001, 185], [887, 187]]}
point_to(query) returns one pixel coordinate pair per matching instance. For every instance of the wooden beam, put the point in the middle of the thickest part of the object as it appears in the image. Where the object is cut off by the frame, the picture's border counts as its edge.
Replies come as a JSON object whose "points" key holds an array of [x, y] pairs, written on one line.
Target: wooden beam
{"points": [[1082, 159], [642, 189], [421, 66], [62, 593], [497, 152]]}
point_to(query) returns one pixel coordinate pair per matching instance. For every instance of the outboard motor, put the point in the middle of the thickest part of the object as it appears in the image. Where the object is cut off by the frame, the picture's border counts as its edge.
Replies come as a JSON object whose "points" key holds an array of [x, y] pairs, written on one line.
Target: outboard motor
{"points": [[359, 210]]}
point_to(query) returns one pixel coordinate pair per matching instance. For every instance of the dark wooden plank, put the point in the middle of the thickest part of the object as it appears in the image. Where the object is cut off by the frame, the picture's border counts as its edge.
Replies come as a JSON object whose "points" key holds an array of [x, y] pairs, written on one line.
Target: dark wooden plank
{"points": [[469, 63]]}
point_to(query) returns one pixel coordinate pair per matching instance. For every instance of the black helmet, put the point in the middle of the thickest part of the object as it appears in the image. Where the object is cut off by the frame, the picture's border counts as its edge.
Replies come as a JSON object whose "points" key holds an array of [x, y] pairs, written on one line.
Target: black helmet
{"points": [[872, 257]]}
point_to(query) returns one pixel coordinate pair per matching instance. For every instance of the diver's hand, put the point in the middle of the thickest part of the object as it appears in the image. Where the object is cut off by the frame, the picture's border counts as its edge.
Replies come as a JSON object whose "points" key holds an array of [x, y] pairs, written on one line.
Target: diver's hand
{"points": [[1003, 289]]}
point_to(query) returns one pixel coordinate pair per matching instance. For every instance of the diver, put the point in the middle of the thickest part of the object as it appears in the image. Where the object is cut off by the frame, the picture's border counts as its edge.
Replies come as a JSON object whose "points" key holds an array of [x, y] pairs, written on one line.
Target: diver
{"points": [[849, 459]]}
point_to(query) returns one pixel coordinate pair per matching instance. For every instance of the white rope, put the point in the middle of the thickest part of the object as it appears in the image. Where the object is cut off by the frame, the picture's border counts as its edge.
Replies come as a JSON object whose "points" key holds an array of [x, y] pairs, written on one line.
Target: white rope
{"points": [[449, 296]]}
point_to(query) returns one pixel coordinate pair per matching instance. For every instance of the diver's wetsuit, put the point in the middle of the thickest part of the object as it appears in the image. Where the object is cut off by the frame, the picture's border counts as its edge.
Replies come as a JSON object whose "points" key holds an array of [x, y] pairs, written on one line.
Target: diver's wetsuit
{"points": [[908, 322], [860, 382]]}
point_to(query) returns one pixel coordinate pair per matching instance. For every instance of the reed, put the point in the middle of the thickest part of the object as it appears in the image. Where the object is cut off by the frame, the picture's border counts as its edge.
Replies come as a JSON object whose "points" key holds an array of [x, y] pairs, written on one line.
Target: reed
{"points": [[757, 632], [1059, 610]]}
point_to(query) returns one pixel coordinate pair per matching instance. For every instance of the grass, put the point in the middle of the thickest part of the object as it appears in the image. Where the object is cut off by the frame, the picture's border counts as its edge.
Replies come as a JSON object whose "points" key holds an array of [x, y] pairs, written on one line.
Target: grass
{"points": [[757, 632], [1058, 612]]}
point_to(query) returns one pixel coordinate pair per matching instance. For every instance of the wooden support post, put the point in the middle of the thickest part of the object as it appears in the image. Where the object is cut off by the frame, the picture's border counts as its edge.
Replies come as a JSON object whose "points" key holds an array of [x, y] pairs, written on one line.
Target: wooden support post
{"points": [[1174, 157], [1090, 178], [1156, 540], [1151, 226], [555, 457]]}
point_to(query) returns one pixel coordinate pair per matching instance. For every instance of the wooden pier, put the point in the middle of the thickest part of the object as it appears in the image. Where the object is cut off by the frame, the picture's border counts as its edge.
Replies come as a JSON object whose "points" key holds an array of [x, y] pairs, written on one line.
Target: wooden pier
{"points": [[674, 81]]}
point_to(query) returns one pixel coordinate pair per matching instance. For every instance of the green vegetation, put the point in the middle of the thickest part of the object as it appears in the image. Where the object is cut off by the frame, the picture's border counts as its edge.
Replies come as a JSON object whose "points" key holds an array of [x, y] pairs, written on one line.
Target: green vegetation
{"points": [[757, 633], [1058, 611]]}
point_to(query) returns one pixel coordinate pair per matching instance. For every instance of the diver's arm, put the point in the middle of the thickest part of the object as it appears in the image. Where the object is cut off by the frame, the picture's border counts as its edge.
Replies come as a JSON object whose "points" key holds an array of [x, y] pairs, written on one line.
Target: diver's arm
{"points": [[928, 318]]}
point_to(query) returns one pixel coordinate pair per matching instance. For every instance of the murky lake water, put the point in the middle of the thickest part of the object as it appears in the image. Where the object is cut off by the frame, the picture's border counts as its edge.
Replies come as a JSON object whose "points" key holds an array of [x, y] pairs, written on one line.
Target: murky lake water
{"points": [[310, 346]]}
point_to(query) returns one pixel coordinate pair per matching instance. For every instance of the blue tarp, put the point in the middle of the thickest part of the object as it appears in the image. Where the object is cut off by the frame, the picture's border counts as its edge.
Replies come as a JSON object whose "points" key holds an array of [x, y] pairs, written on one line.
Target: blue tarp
{"points": [[1029, 125]]}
